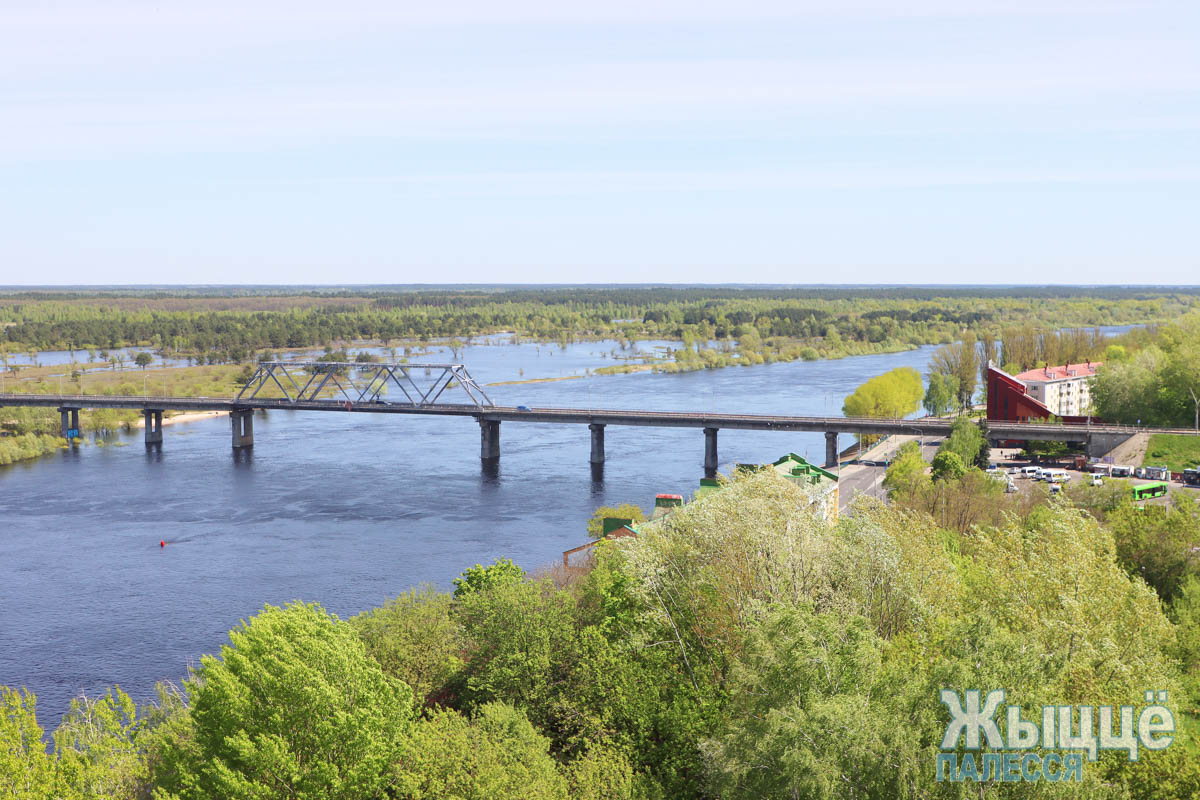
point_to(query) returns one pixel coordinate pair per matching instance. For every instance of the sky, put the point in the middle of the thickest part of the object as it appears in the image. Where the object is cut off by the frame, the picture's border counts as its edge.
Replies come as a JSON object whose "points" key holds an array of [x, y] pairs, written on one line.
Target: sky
{"points": [[625, 141]]}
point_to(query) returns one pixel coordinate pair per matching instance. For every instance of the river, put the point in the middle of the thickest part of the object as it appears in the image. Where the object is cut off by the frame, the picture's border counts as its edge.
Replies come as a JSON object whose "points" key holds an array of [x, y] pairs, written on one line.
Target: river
{"points": [[345, 510]]}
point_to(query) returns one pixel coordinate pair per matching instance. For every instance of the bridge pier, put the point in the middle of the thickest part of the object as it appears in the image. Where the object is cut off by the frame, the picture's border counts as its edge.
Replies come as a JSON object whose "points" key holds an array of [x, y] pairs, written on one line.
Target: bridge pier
{"points": [[153, 426], [70, 422], [831, 449], [489, 439], [710, 451], [597, 443], [242, 421]]}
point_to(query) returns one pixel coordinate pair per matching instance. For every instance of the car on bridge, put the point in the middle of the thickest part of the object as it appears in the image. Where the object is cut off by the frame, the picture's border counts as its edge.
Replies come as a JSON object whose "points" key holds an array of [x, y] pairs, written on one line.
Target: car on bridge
{"points": [[523, 408]]}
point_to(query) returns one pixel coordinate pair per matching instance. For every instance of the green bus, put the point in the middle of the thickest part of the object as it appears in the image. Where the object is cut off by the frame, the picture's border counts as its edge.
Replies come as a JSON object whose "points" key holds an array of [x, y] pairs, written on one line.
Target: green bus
{"points": [[1147, 490]]}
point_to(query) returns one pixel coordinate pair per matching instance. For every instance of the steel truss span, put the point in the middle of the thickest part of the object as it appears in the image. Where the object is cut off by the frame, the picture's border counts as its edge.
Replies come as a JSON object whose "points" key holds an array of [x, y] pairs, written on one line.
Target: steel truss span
{"points": [[421, 384]]}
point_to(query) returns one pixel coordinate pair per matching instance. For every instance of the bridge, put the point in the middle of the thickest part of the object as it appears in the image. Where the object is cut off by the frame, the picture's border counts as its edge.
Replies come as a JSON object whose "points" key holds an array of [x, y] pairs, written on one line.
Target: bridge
{"points": [[360, 388]]}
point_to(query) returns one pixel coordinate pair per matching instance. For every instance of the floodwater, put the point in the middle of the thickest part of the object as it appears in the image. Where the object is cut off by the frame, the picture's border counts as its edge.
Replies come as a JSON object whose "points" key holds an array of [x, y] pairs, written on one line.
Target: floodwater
{"points": [[346, 509]]}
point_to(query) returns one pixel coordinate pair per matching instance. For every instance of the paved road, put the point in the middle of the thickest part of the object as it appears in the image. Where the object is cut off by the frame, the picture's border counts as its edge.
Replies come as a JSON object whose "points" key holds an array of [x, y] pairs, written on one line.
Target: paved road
{"points": [[856, 479]]}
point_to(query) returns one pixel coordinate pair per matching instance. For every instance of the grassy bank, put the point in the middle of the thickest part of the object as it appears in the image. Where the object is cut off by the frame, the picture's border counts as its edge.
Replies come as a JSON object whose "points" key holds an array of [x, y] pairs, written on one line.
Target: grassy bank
{"points": [[1177, 451]]}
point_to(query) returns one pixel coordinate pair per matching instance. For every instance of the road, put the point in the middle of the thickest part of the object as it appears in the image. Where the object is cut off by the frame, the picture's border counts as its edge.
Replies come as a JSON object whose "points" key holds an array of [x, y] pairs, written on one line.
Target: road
{"points": [[857, 479]]}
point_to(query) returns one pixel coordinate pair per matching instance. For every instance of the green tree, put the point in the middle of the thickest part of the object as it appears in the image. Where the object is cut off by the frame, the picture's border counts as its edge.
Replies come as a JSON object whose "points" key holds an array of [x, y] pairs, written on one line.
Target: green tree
{"points": [[520, 638], [1160, 545], [143, 360], [983, 459], [414, 639], [941, 394], [601, 774], [802, 673], [293, 707], [967, 441], [960, 361], [896, 393], [1181, 378], [948, 466], [494, 755], [480, 578], [100, 749], [26, 770], [1185, 613], [907, 470]]}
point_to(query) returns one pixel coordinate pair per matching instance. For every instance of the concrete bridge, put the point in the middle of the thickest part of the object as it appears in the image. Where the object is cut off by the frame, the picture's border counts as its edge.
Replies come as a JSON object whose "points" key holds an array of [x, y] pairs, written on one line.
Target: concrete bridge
{"points": [[358, 388], [1097, 438]]}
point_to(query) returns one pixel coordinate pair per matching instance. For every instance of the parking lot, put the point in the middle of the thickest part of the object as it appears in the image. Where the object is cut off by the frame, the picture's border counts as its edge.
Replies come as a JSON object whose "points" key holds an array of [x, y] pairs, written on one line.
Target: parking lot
{"points": [[1024, 474]]}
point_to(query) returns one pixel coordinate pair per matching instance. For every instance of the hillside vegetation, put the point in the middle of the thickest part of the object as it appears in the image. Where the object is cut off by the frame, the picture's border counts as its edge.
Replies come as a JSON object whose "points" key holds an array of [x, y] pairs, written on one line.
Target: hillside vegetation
{"points": [[738, 648]]}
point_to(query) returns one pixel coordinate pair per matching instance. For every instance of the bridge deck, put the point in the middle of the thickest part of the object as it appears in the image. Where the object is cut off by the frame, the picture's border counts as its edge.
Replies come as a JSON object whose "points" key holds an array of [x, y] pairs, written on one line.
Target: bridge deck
{"points": [[600, 416]]}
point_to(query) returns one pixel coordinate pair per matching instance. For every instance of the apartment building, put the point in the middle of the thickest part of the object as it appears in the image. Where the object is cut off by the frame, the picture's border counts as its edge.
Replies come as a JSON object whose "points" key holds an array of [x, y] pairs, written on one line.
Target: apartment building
{"points": [[1064, 390]]}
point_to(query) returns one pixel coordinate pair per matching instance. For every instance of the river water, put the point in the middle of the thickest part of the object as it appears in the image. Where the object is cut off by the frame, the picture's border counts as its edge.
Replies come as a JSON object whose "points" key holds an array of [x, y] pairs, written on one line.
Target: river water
{"points": [[346, 510]]}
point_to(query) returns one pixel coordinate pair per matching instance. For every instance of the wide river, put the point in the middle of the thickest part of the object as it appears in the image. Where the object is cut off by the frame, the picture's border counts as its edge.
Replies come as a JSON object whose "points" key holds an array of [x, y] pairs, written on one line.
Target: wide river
{"points": [[345, 510]]}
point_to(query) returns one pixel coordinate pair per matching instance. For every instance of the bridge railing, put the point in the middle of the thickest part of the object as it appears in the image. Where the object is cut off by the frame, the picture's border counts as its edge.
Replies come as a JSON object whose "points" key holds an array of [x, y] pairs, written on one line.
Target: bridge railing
{"points": [[353, 382]]}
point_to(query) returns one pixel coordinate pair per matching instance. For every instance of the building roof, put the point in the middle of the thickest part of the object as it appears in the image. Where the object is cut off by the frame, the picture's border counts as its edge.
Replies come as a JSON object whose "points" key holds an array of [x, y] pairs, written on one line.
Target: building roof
{"points": [[794, 466], [1060, 373]]}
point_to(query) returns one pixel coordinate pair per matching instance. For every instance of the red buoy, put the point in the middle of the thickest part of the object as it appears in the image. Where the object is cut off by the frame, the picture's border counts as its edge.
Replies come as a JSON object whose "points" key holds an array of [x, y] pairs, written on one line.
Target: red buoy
{"points": [[161, 543]]}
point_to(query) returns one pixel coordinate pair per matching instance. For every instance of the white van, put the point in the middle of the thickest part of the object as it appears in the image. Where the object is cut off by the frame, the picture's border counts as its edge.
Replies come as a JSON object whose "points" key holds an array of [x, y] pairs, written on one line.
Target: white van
{"points": [[1030, 472], [1056, 476]]}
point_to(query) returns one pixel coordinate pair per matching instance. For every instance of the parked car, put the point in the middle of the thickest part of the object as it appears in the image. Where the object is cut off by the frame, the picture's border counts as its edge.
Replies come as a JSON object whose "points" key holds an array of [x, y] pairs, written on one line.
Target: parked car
{"points": [[1097, 480]]}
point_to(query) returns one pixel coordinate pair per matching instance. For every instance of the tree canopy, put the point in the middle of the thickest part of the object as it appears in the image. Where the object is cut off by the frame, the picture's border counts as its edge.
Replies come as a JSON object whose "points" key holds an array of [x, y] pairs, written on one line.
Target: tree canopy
{"points": [[896, 393]]}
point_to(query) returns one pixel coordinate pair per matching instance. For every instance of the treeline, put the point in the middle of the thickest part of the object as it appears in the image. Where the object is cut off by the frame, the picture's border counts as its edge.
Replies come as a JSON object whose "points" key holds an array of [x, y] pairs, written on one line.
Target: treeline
{"points": [[1152, 377], [958, 370], [739, 648], [246, 324]]}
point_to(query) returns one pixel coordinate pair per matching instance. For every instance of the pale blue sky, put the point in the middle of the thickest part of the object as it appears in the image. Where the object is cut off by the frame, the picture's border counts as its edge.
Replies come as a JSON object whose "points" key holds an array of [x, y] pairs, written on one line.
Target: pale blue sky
{"points": [[292, 141]]}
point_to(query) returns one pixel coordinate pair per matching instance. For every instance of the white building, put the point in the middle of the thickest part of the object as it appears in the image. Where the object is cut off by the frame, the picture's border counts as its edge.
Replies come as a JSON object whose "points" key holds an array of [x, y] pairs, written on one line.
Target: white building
{"points": [[1065, 390]]}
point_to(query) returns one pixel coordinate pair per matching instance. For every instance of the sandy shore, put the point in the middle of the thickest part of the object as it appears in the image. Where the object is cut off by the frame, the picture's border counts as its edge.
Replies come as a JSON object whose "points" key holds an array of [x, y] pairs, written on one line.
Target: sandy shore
{"points": [[191, 416], [533, 380]]}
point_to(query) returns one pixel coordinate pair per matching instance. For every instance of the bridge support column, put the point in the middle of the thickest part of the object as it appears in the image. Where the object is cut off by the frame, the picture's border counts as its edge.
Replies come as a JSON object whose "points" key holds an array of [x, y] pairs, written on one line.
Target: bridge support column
{"points": [[489, 439], [597, 443], [831, 449], [242, 421], [70, 422], [710, 450], [153, 426]]}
